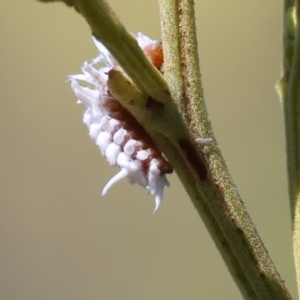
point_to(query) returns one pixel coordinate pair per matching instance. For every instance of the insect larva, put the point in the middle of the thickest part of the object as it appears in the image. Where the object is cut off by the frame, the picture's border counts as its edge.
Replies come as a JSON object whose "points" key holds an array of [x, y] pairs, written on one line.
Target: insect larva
{"points": [[120, 137]]}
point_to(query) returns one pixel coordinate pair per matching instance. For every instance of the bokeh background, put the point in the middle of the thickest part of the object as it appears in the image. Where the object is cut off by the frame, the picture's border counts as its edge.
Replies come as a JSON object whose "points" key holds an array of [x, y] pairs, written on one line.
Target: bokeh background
{"points": [[59, 239]]}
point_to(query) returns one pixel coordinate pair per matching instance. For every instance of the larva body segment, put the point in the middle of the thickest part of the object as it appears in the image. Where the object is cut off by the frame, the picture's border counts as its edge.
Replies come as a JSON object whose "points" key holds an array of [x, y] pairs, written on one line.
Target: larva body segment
{"points": [[119, 136]]}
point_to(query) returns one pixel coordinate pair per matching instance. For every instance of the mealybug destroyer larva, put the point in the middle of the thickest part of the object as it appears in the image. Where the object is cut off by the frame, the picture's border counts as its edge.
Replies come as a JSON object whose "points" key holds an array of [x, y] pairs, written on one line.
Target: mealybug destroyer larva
{"points": [[121, 139]]}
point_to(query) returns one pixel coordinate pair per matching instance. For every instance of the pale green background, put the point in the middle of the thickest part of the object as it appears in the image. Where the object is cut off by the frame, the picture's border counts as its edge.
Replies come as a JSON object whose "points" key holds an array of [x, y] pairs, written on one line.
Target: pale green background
{"points": [[59, 240]]}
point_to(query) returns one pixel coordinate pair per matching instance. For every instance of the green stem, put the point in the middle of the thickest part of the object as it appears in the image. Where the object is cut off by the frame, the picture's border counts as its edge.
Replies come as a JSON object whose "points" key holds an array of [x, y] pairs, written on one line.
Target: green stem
{"points": [[289, 90], [218, 191], [124, 90], [107, 28]]}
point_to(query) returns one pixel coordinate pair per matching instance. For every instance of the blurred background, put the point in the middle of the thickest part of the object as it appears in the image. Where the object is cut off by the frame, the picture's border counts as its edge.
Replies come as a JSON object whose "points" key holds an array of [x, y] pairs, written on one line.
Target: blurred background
{"points": [[59, 239]]}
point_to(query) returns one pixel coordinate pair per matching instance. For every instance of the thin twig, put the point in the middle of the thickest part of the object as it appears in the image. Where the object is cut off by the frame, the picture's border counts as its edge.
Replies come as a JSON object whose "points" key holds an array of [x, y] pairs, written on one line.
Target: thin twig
{"points": [[218, 191], [289, 92]]}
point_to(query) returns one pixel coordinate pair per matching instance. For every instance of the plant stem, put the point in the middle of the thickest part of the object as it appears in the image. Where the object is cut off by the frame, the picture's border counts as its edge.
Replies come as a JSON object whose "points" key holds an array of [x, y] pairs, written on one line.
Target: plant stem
{"points": [[107, 28], [289, 91], [218, 191], [124, 90]]}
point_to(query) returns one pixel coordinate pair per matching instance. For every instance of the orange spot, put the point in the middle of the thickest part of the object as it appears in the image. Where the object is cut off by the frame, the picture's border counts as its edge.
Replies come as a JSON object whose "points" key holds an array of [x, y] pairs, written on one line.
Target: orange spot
{"points": [[155, 54]]}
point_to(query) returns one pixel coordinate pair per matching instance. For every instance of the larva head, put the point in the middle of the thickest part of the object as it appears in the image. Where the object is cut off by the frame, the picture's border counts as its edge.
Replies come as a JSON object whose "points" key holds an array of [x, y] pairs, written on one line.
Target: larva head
{"points": [[155, 54], [152, 49]]}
